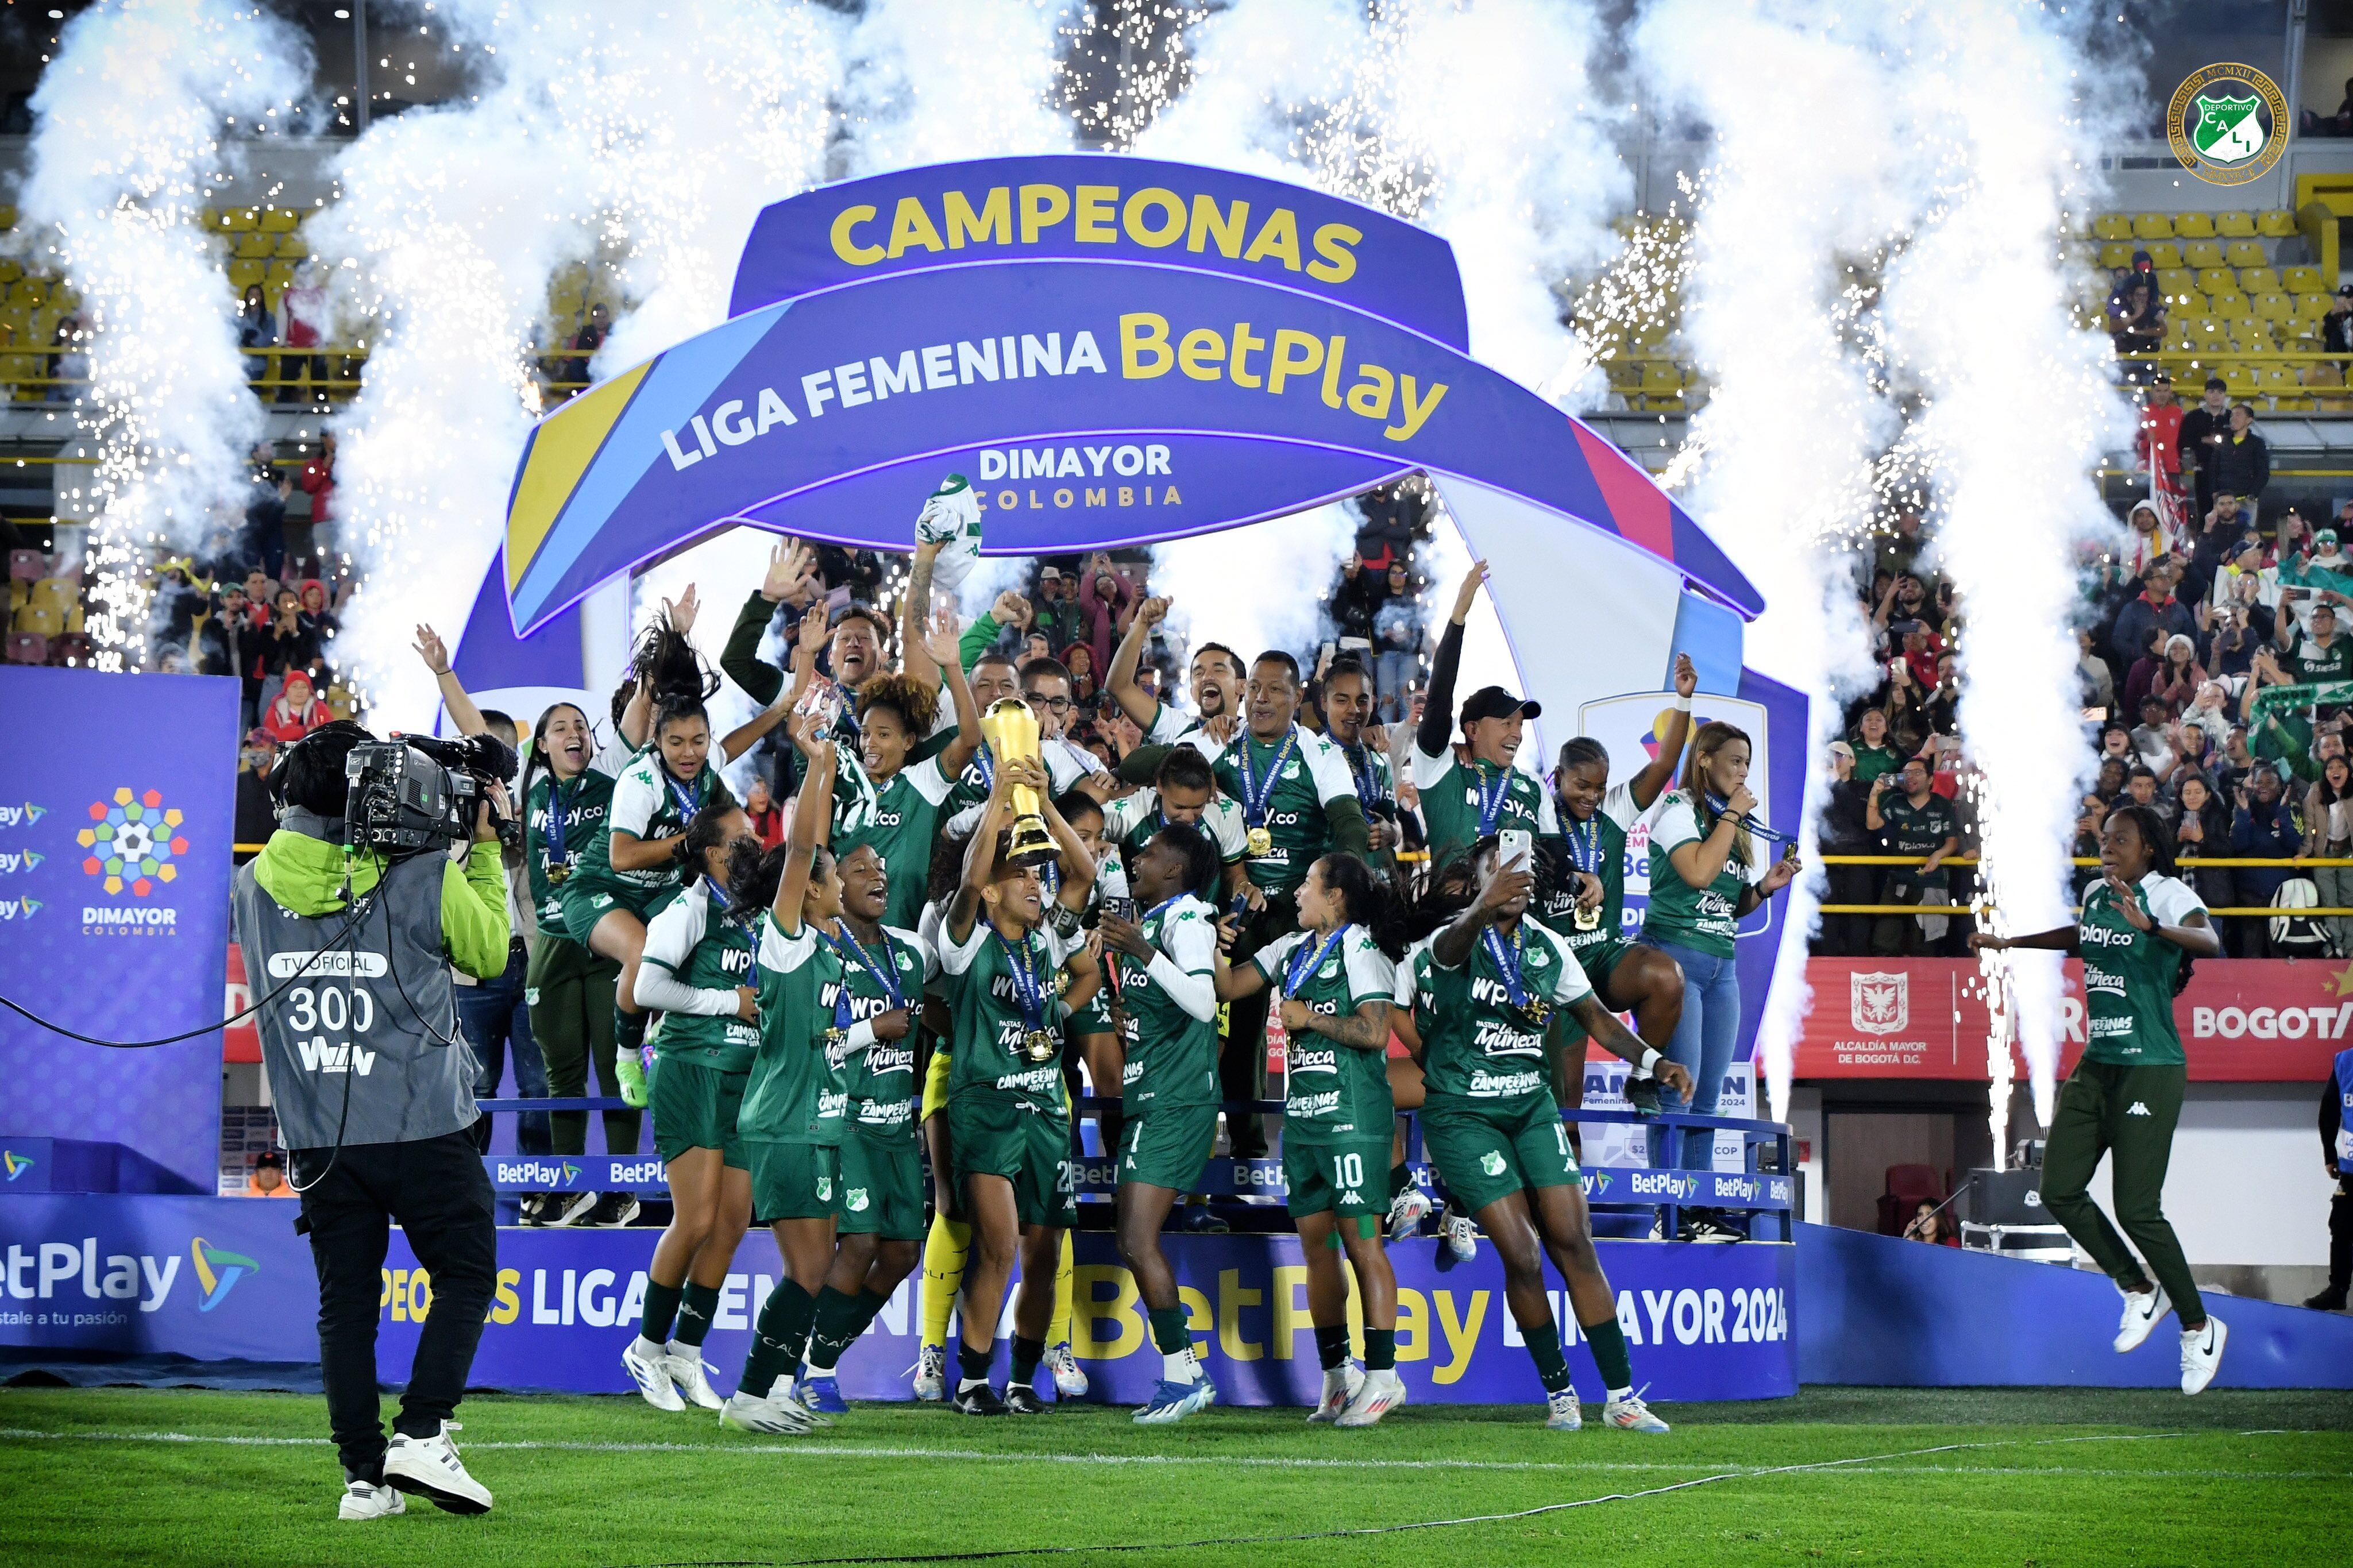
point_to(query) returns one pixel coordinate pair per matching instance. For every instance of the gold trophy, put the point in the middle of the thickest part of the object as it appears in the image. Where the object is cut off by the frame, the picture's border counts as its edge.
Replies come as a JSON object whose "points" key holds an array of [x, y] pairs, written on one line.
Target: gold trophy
{"points": [[1011, 730]]}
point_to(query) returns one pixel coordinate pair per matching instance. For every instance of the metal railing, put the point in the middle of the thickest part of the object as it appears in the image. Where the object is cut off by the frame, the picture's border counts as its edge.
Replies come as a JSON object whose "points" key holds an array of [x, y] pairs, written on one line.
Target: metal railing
{"points": [[2185, 862]]}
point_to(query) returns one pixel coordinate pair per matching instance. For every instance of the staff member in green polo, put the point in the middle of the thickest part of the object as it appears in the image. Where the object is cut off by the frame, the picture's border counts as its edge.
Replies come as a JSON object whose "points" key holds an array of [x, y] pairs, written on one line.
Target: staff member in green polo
{"points": [[2139, 929], [1470, 787]]}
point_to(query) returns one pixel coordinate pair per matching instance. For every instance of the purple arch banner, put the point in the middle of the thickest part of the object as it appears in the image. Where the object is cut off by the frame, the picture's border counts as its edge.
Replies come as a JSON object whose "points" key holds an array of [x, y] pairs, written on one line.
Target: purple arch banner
{"points": [[1262, 400]]}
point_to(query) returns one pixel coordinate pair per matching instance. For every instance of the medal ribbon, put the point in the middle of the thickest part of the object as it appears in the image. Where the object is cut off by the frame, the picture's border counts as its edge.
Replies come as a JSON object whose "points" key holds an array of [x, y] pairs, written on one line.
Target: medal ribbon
{"points": [[886, 973], [1256, 796], [689, 800], [1585, 843], [1304, 964], [1507, 963], [1028, 988], [1491, 809], [1719, 804], [556, 809], [1369, 786], [987, 764]]}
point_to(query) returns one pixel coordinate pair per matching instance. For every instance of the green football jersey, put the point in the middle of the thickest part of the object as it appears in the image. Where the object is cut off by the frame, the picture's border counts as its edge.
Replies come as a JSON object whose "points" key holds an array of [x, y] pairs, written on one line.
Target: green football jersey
{"points": [[1705, 920], [1289, 780], [902, 826], [1481, 1049], [2310, 663], [1134, 820], [1916, 831], [648, 803], [795, 1093], [1172, 1057], [2128, 974], [880, 1077], [576, 809], [1596, 845], [989, 1024], [690, 938], [1330, 1091], [1461, 802]]}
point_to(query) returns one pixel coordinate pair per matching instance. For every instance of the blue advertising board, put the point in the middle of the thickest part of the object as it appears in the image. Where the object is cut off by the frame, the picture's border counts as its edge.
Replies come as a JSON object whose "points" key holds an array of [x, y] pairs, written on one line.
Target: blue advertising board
{"points": [[117, 802]]}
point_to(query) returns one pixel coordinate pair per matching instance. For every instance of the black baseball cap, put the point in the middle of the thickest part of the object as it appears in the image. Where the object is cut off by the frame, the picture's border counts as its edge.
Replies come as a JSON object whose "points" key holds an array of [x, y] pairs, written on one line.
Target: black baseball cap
{"points": [[1494, 702]]}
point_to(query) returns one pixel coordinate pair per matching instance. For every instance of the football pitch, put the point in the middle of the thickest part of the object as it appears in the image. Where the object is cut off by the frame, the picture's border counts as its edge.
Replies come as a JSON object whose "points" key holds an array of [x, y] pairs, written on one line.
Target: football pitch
{"points": [[1878, 1476]]}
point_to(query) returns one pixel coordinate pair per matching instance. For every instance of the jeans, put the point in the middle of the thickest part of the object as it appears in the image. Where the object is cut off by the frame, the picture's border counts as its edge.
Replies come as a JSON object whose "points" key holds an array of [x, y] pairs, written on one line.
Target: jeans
{"points": [[490, 1016], [1393, 671], [1703, 1044], [437, 1190]]}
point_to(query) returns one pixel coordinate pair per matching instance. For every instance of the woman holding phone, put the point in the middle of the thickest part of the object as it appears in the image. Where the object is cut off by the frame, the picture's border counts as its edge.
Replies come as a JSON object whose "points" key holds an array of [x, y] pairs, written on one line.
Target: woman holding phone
{"points": [[1707, 876]]}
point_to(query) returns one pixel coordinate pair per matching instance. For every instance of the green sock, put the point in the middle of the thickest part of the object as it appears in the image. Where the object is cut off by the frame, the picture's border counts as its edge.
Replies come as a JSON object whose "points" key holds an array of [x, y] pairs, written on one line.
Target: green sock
{"points": [[1609, 1342], [1380, 1349], [836, 1325], [661, 1310], [1544, 1349], [1171, 1333], [1399, 1180], [696, 1303], [1026, 1354], [1331, 1344], [776, 1346]]}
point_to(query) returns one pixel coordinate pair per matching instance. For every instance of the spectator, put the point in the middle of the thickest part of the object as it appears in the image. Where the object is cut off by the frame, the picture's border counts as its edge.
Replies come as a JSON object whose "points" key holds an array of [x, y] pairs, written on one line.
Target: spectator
{"points": [[1927, 1224], [1104, 596], [2328, 834], [256, 818], [263, 539], [2099, 683], [1056, 613], [318, 483], [2334, 337], [2140, 680], [1873, 754], [255, 329], [318, 615], [1355, 600], [2262, 827], [2325, 654], [1396, 641], [767, 817], [2237, 760], [2231, 651], [2140, 789], [1912, 820], [2153, 609], [267, 1179], [232, 644], [2152, 741], [571, 374], [1900, 550], [2147, 540], [1080, 660], [2208, 717], [292, 643], [2242, 462], [2202, 827], [69, 367], [2160, 435], [296, 711], [1845, 831], [2178, 679], [2137, 326], [305, 304], [2203, 430]]}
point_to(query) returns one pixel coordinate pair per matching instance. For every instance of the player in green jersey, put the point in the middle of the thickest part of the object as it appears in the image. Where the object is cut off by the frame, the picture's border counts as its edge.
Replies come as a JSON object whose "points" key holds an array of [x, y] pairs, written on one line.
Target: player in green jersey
{"points": [[699, 972], [1583, 898], [2140, 927], [1465, 767], [1494, 984], [1337, 971], [895, 715], [1184, 789], [1168, 1004], [791, 1113], [884, 969], [1012, 981]]}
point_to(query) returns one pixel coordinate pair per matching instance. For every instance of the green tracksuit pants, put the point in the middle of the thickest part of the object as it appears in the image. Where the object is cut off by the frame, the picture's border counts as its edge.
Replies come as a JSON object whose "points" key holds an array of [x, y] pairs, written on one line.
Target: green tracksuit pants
{"points": [[2127, 1112]]}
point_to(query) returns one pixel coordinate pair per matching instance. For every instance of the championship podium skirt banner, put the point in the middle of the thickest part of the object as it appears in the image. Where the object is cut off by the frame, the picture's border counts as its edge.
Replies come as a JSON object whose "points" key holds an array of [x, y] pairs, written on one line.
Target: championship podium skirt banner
{"points": [[219, 1278]]}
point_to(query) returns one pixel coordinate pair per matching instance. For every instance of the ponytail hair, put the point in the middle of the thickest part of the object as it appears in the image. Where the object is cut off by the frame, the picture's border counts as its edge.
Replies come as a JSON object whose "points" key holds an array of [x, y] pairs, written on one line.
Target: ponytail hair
{"points": [[1200, 855], [755, 874], [1367, 899], [668, 663], [708, 831], [2158, 839], [1712, 738]]}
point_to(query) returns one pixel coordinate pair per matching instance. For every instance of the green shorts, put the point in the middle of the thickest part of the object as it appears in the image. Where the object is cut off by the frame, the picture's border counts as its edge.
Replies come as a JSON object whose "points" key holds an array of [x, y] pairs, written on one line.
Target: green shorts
{"points": [[1598, 962], [695, 1106], [586, 902], [993, 1135], [1483, 1152], [882, 1188], [1094, 1019], [1348, 1176], [1168, 1145], [793, 1181]]}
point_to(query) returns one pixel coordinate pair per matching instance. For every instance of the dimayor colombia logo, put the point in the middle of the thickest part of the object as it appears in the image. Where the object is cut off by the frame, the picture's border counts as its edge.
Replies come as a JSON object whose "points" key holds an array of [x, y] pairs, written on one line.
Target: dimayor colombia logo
{"points": [[132, 841], [17, 1165], [218, 1270], [2228, 124]]}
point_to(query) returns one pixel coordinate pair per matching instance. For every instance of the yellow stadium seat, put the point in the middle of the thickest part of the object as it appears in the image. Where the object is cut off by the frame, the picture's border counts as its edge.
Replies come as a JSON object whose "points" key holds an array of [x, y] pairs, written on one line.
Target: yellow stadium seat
{"points": [[2165, 255], [1624, 374], [2152, 225], [2227, 305], [244, 275], [279, 220], [2323, 373], [2202, 254], [45, 322], [47, 622], [2258, 280], [293, 245], [2218, 280], [213, 218], [2176, 280], [254, 245], [240, 220], [2188, 303], [2303, 281], [2301, 334], [2240, 380], [2245, 253], [2235, 226], [55, 591], [2312, 307], [7, 217], [2116, 253], [2278, 380], [2193, 225], [29, 291], [2206, 329], [9, 270], [2276, 224], [281, 276], [2112, 226], [2274, 305]]}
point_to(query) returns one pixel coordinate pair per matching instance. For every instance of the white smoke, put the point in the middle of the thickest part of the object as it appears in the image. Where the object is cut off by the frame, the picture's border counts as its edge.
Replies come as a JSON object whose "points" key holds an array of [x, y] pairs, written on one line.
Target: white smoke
{"points": [[131, 143], [1792, 420], [928, 82], [1256, 587]]}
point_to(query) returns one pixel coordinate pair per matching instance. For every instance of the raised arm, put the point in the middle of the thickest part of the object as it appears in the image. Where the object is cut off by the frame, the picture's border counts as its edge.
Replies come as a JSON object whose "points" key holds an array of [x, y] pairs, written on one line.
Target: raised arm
{"points": [[1653, 781], [1079, 866], [1120, 681], [941, 649], [462, 712], [812, 822], [979, 861], [1237, 980], [1436, 735], [915, 613], [1452, 948]]}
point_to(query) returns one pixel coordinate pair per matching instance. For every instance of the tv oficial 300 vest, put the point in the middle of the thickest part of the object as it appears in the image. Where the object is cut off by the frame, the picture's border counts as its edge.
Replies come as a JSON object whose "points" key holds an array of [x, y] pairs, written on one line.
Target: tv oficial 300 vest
{"points": [[2343, 1084], [371, 1012]]}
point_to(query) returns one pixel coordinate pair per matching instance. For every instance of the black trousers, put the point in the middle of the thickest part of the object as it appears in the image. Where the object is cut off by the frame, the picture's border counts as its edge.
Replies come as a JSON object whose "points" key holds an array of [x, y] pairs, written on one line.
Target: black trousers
{"points": [[1242, 1054], [2340, 1235], [439, 1194]]}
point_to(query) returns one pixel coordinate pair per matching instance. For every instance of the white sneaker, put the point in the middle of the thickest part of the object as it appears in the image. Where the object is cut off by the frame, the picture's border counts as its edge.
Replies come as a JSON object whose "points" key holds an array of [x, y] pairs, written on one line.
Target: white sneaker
{"points": [[366, 1499], [686, 1371], [1563, 1414], [1406, 1212], [430, 1468], [1461, 1236], [1070, 1378], [932, 1372], [2202, 1354], [749, 1413], [1630, 1415], [1340, 1385], [651, 1372], [1382, 1392], [2142, 1314]]}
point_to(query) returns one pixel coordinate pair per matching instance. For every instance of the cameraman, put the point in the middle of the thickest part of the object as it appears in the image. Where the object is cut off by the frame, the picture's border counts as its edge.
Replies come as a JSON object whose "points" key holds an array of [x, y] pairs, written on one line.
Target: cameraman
{"points": [[374, 1103]]}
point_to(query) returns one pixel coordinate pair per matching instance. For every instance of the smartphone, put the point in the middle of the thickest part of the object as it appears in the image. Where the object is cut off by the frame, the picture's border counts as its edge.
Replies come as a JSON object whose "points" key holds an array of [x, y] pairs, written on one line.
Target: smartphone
{"points": [[1515, 848], [1121, 909]]}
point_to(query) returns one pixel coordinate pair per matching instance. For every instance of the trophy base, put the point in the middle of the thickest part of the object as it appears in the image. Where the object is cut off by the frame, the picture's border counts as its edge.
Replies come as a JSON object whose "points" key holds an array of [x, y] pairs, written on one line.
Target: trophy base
{"points": [[1032, 845]]}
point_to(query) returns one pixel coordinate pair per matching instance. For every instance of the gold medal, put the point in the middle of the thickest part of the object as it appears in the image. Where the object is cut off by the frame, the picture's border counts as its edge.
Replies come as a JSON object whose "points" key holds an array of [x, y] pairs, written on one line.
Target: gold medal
{"points": [[1588, 919], [1538, 1012], [1042, 1044], [837, 1040], [1261, 843]]}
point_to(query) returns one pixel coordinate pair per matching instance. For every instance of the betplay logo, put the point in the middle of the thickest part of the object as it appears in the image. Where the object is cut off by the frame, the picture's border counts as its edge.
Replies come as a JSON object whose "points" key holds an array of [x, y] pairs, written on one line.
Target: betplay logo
{"points": [[23, 860], [23, 815]]}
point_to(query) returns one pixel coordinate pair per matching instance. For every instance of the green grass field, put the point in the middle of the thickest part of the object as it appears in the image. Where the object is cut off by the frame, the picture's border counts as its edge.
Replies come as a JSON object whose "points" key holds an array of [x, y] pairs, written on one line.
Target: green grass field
{"points": [[1896, 1476]]}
